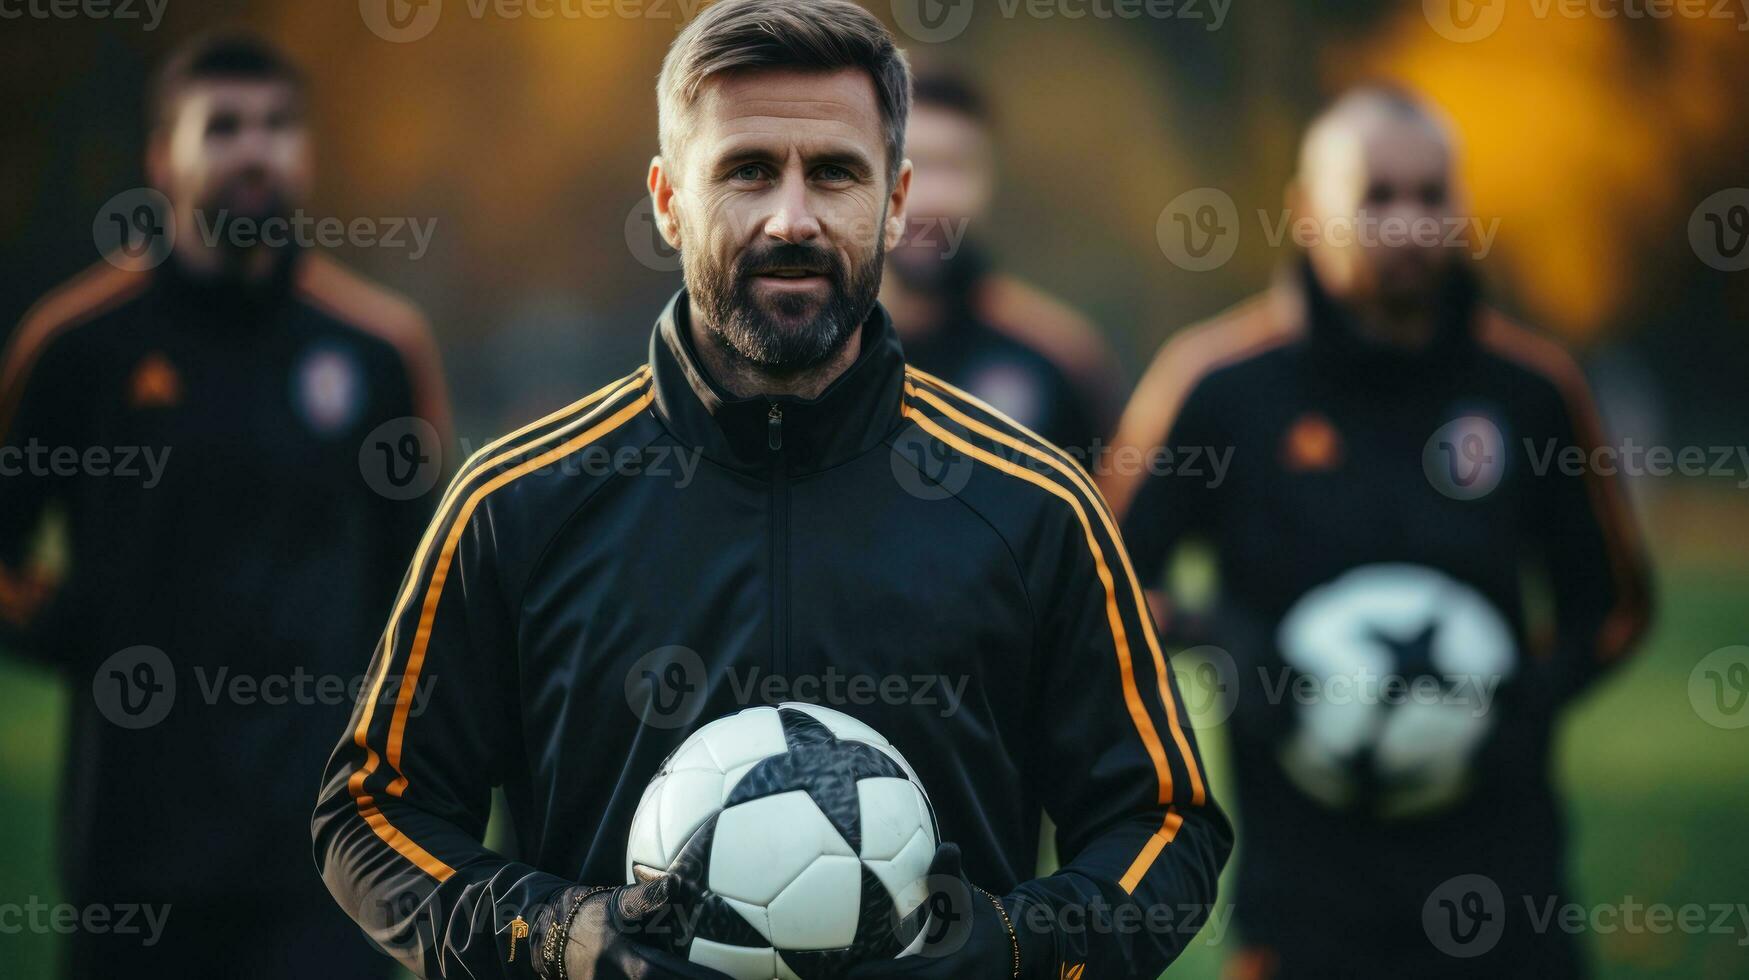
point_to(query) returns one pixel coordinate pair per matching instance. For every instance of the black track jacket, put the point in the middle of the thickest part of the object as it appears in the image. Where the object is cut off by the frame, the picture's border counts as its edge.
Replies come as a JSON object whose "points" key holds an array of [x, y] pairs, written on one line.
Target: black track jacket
{"points": [[585, 599]]}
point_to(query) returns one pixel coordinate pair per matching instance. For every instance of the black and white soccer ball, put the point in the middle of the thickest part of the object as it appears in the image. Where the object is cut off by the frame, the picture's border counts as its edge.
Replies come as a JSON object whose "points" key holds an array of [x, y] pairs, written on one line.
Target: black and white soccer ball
{"points": [[804, 839], [1404, 661]]}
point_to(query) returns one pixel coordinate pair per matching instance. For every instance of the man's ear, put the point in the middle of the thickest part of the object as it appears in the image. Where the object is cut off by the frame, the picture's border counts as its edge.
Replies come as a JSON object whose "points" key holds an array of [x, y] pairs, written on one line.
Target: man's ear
{"points": [[662, 197], [894, 232]]}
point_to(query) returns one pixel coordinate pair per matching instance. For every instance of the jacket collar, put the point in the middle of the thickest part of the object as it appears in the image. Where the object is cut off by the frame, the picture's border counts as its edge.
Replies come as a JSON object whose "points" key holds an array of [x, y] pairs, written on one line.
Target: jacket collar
{"points": [[853, 415], [1343, 351]]}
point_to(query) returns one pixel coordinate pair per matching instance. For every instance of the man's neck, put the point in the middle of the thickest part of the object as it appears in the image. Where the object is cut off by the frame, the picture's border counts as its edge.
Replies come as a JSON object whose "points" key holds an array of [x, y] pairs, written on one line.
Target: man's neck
{"points": [[744, 379], [1406, 329], [250, 268]]}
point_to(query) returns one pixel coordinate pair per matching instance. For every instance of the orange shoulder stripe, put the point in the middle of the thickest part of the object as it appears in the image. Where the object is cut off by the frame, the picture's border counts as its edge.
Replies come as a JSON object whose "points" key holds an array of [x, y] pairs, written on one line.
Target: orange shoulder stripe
{"points": [[1249, 329], [100, 288]]}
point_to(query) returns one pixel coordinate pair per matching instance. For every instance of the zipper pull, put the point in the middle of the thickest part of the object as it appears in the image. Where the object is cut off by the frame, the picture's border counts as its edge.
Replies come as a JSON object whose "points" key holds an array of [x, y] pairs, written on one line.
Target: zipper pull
{"points": [[774, 428], [518, 930]]}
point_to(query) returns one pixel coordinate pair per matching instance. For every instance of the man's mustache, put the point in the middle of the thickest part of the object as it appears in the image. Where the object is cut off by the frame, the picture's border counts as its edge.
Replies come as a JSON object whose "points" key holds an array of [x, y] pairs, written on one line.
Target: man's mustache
{"points": [[789, 257]]}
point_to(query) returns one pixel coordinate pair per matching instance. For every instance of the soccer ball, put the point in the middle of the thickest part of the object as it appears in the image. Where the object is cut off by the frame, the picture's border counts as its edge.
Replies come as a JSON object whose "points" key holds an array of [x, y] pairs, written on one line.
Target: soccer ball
{"points": [[1404, 661], [804, 835]]}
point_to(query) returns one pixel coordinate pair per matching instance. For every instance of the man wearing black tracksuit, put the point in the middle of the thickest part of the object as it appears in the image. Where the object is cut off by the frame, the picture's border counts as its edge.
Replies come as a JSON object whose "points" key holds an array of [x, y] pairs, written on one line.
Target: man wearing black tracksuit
{"points": [[199, 426], [1369, 451], [846, 516]]}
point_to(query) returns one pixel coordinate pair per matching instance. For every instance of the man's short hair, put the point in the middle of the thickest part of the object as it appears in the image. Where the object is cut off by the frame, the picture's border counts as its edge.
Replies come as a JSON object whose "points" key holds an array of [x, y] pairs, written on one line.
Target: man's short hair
{"points": [[231, 55], [813, 35], [943, 88]]}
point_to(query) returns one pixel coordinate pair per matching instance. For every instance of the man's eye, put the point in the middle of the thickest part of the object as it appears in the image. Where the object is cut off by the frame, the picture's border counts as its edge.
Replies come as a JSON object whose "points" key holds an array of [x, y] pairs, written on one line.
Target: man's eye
{"points": [[221, 126], [748, 172], [833, 174]]}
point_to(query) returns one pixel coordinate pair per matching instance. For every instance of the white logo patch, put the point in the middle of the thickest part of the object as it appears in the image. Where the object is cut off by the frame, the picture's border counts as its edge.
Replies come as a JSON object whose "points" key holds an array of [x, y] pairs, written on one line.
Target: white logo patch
{"points": [[328, 390]]}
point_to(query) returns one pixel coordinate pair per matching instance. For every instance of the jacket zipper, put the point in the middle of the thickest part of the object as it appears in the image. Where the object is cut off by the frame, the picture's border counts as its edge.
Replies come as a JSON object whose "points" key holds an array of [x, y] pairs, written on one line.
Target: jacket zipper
{"points": [[779, 543]]}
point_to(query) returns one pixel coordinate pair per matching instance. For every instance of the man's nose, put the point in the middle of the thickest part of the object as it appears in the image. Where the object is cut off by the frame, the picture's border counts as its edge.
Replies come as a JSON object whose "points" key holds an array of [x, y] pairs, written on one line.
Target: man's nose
{"points": [[253, 146], [791, 219]]}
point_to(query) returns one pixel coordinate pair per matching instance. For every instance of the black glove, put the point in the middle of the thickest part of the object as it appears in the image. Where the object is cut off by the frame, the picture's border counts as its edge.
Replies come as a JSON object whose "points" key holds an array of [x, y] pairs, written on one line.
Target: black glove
{"points": [[619, 933], [969, 934]]}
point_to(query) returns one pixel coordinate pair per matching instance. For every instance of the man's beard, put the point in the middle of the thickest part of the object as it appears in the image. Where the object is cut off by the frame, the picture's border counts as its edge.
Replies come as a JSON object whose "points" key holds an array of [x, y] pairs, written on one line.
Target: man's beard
{"points": [[231, 224], [768, 334]]}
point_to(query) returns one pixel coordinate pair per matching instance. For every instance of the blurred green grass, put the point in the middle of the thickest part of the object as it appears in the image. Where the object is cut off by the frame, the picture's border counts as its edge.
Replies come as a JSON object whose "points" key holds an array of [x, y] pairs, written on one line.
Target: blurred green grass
{"points": [[1659, 799]]}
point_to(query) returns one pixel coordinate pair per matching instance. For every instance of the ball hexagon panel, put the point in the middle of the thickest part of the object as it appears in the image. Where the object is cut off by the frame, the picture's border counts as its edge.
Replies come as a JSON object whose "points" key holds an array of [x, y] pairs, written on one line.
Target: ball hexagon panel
{"points": [[805, 837], [751, 864], [821, 908]]}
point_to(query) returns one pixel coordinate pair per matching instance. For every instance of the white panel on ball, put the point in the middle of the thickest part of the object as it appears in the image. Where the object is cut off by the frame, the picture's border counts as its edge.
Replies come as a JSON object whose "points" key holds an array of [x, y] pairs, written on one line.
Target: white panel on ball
{"points": [[820, 909], [750, 863]]}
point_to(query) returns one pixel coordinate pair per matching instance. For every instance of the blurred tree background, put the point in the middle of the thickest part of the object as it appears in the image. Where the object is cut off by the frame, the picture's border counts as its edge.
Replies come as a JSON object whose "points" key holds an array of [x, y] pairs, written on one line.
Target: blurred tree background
{"points": [[523, 129]]}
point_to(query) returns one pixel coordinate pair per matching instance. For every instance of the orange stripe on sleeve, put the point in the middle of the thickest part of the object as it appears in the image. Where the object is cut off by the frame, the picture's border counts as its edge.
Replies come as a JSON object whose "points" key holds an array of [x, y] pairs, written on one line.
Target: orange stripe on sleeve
{"points": [[1067, 466], [599, 401], [1632, 609], [434, 592], [96, 290], [1251, 328]]}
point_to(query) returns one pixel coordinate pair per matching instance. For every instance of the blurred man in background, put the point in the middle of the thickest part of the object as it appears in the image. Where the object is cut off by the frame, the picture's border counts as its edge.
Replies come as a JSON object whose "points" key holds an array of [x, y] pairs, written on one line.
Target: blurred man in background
{"points": [[1390, 500], [200, 424], [993, 336]]}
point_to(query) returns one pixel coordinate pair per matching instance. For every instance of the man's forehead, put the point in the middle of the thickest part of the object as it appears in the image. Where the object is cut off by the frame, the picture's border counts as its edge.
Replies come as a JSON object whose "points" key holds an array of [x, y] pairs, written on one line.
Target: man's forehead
{"points": [[1369, 144], [741, 101], [1404, 146], [206, 96]]}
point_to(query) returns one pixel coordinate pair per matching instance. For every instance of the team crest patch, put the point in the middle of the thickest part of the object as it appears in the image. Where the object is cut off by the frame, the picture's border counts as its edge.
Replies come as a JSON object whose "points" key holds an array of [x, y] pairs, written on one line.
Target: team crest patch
{"points": [[328, 390], [1311, 444], [155, 383]]}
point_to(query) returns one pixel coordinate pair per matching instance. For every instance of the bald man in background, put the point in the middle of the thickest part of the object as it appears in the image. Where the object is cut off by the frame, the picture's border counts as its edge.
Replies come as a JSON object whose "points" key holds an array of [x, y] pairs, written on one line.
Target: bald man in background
{"points": [[1387, 503]]}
